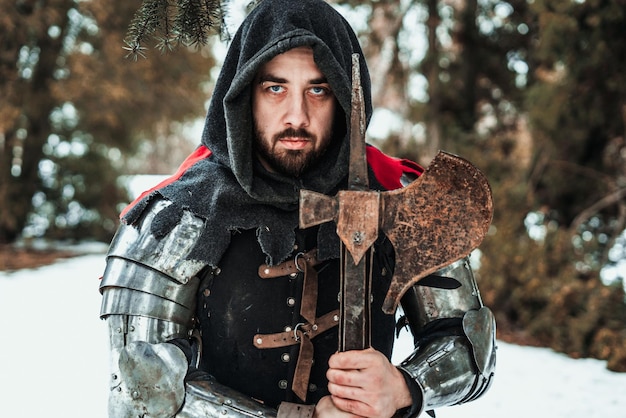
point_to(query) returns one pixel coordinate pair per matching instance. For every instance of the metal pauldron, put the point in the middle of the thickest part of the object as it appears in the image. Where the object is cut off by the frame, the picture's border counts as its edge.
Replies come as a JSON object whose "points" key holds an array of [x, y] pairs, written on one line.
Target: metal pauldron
{"points": [[151, 277], [149, 294], [455, 366]]}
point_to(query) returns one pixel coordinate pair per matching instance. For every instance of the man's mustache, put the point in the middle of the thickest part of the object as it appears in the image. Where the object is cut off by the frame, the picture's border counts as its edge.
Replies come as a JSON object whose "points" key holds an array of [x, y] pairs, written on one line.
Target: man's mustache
{"points": [[294, 133]]}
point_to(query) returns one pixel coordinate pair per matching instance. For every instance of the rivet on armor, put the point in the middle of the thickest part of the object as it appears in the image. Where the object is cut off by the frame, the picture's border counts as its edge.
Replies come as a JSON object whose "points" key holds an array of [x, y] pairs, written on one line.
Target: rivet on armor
{"points": [[383, 271], [293, 275], [285, 357], [288, 328], [224, 412], [336, 318], [295, 247], [119, 389], [118, 330], [314, 327], [217, 271], [282, 384], [207, 292], [266, 271], [114, 377], [132, 328], [229, 402], [312, 387], [291, 301], [259, 341], [135, 394]]}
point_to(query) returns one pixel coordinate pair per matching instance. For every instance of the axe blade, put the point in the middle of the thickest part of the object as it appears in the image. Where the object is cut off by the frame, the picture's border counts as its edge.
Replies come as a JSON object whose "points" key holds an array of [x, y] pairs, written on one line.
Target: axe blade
{"points": [[438, 219], [316, 208]]}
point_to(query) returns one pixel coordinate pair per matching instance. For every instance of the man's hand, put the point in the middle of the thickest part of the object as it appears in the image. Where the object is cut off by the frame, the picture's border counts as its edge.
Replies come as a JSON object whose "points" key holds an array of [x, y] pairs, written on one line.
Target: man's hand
{"points": [[325, 408], [364, 383]]}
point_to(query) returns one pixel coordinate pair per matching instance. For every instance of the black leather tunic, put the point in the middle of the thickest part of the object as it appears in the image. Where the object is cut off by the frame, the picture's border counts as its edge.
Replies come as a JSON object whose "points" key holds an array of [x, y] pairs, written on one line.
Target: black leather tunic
{"points": [[234, 304]]}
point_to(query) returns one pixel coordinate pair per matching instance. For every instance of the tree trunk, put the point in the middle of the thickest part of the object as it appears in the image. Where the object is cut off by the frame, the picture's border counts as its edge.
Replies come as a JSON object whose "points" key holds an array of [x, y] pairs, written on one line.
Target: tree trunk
{"points": [[25, 135], [467, 38], [431, 71]]}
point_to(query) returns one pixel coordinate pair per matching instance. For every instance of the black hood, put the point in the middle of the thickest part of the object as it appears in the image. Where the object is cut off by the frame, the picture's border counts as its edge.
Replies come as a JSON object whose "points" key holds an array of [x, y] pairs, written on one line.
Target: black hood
{"points": [[274, 27], [228, 187]]}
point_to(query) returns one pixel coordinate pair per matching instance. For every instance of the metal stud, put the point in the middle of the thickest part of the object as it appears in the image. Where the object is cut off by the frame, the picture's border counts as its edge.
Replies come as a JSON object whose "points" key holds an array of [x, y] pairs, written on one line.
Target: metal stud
{"points": [[282, 384]]}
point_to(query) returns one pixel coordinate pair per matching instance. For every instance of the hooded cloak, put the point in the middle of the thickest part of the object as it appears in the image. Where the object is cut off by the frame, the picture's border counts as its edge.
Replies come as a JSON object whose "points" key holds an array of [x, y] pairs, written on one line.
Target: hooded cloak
{"points": [[222, 182]]}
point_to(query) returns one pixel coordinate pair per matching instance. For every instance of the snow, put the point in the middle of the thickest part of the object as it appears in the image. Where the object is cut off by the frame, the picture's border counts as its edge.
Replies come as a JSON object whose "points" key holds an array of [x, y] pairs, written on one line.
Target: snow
{"points": [[53, 358]]}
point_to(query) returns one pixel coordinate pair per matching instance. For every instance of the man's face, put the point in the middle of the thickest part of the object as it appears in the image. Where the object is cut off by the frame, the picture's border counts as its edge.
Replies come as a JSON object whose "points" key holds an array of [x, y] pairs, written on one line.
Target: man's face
{"points": [[293, 109]]}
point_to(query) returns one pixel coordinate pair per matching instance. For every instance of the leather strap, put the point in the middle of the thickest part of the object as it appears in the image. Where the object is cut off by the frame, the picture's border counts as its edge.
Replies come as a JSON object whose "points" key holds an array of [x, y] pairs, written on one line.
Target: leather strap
{"points": [[290, 266], [303, 332], [286, 338], [294, 410]]}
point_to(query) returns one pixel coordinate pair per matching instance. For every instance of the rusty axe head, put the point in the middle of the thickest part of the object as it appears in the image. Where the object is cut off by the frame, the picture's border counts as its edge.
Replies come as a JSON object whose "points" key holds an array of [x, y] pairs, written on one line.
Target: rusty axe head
{"points": [[438, 219]]}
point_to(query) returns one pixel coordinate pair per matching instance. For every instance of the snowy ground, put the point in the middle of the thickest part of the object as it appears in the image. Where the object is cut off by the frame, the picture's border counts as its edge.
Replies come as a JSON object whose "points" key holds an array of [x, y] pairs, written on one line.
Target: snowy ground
{"points": [[53, 358]]}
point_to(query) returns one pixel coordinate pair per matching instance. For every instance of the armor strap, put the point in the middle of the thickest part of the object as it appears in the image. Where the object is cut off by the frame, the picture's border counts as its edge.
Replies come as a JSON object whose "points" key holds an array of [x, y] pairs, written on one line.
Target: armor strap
{"points": [[286, 338], [303, 332], [292, 410], [290, 266]]}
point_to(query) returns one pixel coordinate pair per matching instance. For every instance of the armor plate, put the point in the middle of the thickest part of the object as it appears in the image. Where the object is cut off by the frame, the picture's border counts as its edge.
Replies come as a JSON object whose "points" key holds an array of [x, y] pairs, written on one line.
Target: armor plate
{"points": [[455, 364]]}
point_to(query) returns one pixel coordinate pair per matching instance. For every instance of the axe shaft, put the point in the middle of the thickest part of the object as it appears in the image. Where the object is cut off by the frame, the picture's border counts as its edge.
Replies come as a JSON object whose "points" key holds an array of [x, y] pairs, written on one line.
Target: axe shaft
{"points": [[357, 176], [355, 313], [355, 309]]}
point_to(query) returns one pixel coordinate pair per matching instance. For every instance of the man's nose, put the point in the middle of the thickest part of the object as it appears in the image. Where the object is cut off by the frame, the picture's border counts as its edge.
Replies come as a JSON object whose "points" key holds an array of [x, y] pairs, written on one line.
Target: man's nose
{"points": [[297, 114]]}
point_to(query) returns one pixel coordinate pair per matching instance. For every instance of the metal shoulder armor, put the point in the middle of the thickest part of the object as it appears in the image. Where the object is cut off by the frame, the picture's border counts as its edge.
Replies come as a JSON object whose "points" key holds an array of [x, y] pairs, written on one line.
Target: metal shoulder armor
{"points": [[454, 358], [151, 277], [148, 298]]}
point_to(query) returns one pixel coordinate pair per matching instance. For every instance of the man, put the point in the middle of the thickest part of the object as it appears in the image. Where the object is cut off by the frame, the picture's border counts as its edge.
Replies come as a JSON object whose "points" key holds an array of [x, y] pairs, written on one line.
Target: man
{"points": [[218, 304]]}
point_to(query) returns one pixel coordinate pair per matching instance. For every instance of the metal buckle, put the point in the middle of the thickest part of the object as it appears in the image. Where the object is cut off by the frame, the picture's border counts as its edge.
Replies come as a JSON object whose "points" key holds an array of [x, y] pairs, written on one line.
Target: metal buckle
{"points": [[295, 260]]}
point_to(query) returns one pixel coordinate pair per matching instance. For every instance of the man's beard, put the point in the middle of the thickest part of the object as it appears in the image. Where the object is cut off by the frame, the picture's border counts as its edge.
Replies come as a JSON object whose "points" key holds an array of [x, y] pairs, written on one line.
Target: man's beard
{"points": [[289, 162]]}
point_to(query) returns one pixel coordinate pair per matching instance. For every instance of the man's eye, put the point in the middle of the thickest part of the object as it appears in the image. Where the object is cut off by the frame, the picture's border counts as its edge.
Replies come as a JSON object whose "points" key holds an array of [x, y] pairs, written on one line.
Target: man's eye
{"points": [[319, 91], [275, 89]]}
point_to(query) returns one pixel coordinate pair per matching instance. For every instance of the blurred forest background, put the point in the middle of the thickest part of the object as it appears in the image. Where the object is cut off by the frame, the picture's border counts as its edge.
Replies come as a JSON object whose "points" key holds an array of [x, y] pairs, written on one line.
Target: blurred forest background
{"points": [[533, 92]]}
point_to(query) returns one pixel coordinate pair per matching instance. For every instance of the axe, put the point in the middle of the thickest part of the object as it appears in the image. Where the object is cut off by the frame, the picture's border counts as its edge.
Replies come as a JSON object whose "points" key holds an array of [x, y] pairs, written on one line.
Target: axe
{"points": [[436, 220]]}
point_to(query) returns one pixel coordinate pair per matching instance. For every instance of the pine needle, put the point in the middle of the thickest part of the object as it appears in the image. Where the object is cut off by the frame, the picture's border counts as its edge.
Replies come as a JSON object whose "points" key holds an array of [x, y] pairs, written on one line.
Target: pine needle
{"points": [[171, 23]]}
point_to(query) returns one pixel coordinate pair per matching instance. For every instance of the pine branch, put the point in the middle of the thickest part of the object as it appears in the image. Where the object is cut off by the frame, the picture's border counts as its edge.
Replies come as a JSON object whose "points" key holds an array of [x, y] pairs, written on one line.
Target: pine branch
{"points": [[151, 16], [171, 23]]}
